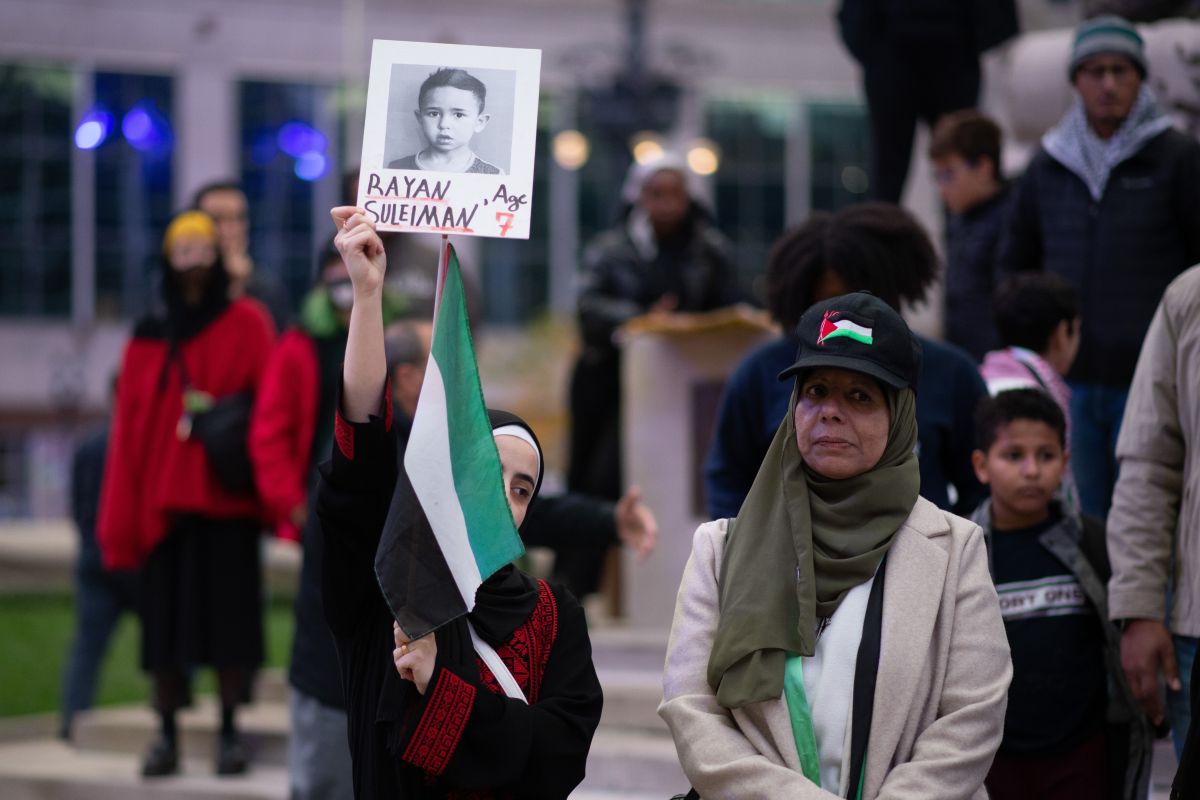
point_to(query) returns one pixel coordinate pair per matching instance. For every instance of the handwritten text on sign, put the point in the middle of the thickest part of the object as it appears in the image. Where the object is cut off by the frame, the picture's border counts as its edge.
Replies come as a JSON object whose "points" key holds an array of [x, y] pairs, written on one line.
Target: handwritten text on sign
{"points": [[404, 202]]}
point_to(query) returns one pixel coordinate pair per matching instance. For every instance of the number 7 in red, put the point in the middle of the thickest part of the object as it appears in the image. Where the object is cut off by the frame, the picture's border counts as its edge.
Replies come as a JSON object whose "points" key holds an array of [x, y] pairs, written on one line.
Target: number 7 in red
{"points": [[505, 219]]}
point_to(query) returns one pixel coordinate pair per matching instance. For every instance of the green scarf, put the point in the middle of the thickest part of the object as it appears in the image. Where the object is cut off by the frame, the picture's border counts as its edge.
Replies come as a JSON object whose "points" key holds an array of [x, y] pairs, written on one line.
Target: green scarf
{"points": [[802, 542]]}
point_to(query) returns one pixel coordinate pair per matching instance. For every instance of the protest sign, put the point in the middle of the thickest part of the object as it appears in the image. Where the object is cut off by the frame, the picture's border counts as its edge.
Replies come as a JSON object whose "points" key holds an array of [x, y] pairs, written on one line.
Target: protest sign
{"points": [[448, 145]]}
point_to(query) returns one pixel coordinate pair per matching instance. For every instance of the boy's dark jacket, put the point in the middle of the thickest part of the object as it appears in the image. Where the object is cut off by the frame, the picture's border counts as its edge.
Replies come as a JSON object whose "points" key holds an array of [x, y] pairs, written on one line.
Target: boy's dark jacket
{"points": [[972, 253], [1078, 542]]}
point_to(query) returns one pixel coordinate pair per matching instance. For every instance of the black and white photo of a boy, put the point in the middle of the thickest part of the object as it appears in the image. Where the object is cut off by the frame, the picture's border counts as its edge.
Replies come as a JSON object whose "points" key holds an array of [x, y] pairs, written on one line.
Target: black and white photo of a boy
{"points": [[450, 112]]}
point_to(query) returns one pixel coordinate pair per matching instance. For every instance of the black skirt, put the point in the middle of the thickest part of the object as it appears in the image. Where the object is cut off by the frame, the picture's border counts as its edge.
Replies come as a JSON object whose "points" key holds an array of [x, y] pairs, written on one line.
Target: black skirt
{"points": [[202, 598]]}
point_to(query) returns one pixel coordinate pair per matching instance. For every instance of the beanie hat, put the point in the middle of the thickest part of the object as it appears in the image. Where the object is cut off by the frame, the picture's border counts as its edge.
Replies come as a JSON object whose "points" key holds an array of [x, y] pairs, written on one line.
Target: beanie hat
{"points": [[1107, 35], [189, 224]]}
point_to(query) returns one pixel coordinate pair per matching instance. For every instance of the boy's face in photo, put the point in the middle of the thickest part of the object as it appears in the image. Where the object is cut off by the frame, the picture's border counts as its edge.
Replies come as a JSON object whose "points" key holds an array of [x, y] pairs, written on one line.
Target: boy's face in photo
{"points": [[964, 184], [1023, 468], [450, 117]]}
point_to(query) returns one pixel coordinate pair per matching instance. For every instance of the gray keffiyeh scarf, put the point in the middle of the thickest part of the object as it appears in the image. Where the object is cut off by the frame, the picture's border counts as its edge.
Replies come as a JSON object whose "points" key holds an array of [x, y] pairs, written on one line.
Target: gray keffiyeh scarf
{"points": [[1073, 143]]}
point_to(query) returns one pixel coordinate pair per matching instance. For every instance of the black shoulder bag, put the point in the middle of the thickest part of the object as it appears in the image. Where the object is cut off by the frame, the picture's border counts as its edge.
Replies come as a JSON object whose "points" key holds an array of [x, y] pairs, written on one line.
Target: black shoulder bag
{"points": [[224, 431]]}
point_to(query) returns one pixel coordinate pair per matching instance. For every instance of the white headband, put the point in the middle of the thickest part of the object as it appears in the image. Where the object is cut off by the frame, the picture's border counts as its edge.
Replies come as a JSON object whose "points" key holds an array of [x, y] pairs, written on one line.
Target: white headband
{"points": [[523, 435]]}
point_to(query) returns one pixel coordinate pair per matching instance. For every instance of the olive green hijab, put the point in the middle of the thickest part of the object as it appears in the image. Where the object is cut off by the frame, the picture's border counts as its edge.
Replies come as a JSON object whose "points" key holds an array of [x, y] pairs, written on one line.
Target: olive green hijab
{"points": [[802, 542]]}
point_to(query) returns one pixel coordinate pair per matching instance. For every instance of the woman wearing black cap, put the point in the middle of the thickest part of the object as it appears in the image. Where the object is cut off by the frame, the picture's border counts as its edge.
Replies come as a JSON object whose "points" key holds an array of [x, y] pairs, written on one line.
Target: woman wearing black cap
{"points": [[840, 637], [426, 718]]}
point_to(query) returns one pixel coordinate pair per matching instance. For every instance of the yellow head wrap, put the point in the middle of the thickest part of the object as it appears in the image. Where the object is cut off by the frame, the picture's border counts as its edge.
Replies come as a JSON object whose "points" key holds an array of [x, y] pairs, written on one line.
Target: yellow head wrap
{"points": [[189, 224]]}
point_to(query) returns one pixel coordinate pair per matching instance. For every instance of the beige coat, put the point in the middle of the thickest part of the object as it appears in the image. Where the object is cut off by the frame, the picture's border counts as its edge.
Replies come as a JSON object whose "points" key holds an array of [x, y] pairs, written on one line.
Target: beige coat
{"points": [[1156, 504], [942, 689]]}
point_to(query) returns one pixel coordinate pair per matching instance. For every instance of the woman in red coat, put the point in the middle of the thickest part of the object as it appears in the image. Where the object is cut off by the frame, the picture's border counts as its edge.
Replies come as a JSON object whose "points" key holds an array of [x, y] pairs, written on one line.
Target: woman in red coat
{"points": [[163, 507]]}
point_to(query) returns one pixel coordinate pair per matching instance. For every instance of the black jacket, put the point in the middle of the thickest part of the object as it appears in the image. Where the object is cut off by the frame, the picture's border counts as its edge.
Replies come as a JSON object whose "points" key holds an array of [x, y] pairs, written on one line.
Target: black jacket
{"points": [[313, 668], [461, 738], [619, 282], [972, 250], [1119, 253], [870, 25], [1079, 543]]}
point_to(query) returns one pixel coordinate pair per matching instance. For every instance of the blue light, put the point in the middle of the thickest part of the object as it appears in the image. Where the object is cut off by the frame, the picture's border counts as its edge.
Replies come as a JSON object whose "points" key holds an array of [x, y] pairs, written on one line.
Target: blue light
{"points": [[299, 138], [311, 166], [93, 129], [146, 129]]}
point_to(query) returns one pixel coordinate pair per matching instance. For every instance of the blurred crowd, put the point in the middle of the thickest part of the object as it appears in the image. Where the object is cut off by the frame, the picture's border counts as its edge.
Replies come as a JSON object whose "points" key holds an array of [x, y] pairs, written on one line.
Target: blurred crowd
{"points": [[1059, 413]]}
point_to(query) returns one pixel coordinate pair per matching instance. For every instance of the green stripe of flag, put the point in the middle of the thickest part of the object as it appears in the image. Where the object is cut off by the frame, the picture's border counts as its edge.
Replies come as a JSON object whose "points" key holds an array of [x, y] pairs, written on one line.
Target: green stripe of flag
{"points": [[855, 335], [478, 481]]}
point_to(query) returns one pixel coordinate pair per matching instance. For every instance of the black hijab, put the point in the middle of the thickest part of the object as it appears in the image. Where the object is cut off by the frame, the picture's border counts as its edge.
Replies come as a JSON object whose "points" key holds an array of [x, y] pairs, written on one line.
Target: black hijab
{"points": [[505, 600], [180, 321]]}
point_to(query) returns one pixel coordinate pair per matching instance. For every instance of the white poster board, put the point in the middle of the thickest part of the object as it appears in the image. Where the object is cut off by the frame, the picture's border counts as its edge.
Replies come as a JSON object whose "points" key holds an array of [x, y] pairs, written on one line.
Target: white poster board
{"points": [[449, 139]]}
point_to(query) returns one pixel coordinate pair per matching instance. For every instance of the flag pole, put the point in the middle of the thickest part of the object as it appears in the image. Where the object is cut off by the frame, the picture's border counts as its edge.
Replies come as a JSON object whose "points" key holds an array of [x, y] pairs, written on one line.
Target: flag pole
{"points": [[440, 284]]}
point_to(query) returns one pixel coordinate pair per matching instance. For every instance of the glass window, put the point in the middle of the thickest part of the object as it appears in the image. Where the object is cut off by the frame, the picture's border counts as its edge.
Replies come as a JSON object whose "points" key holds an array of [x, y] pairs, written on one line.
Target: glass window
{"points": [[839, 152], [603, 176], [749, 187], [133, 190], [516, 274], [14, 475], [289, 156], [35, 190]]}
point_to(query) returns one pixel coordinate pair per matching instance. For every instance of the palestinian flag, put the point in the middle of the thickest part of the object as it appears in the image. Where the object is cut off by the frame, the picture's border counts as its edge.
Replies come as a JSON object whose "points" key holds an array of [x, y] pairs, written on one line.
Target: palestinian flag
{"points": [[832, 328], [449, 527]]}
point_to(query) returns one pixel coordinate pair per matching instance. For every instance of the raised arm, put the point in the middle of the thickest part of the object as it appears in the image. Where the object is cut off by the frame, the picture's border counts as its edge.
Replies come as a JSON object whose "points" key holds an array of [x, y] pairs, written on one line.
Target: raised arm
{"points": [[365, 370], [357, 483]]}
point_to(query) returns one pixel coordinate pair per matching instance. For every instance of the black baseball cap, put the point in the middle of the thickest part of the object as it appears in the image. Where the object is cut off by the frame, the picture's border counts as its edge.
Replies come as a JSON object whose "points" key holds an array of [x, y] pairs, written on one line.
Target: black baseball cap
{"points": [[859, 332]]}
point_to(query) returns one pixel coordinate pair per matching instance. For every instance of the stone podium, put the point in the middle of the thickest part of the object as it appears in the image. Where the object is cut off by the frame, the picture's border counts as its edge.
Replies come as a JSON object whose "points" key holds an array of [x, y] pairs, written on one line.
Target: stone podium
{"points": [[674, 370]]}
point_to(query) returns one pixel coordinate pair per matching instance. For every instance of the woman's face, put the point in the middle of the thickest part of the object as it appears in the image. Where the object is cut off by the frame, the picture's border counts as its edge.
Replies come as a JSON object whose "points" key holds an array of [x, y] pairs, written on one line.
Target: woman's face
{"points": [[519, 465], [842, 422], [191, 252]]}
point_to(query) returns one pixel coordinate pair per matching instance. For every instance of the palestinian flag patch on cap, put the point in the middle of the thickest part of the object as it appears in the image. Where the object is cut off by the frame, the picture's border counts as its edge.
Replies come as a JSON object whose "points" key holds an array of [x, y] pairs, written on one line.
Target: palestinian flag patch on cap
{"points": [[832, 328]]}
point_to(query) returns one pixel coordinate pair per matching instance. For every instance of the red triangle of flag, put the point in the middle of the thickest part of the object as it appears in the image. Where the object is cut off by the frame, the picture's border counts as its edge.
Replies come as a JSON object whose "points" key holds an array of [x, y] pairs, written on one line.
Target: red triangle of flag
{"points": [[827, 328]]}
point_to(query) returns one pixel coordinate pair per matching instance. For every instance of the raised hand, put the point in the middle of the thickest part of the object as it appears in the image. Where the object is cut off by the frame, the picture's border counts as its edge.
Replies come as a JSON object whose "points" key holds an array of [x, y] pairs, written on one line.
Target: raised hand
{"points": [[361, 249], [636, 526]]}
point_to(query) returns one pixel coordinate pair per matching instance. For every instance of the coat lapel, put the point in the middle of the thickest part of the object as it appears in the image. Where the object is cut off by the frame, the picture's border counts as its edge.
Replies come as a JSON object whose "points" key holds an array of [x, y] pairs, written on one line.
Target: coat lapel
{"points": [[916, 576]]}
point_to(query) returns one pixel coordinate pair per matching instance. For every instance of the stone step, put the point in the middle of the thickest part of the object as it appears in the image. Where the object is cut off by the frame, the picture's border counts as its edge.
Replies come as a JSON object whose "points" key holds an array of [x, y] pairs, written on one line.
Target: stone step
{"points": [[624, 767], [52, 770], [629, 649], [631, 699], [629, 762], [129, 730], [271, 686], [39, 556], [621, 758]]}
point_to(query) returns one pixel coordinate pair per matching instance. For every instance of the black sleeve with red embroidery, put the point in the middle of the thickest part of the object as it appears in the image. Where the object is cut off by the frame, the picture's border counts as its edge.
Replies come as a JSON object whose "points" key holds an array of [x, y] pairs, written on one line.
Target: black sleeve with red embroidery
{"points": [[472, 738], [352, 502]]}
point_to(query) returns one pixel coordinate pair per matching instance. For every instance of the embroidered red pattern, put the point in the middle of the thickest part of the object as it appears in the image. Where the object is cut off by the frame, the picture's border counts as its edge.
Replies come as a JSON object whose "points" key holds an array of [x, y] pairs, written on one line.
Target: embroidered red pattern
{"points": [[343, 431], [527, 652], [388, 409], [442, 724], [344, 435]]}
